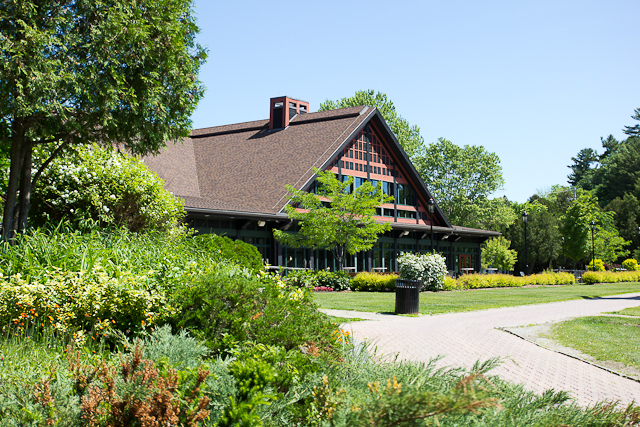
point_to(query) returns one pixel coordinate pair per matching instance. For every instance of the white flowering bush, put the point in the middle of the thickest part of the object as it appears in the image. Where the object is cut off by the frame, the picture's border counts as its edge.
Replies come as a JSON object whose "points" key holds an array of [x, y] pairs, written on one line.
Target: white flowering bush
{"points": [[430, 269], [103, 185]]}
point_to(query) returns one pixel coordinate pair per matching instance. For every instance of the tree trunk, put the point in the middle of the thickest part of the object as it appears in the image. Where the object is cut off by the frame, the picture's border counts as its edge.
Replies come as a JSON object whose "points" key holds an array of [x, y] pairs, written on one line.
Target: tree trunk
{"points": [[339, 251], [25, 186], [15, 171]]}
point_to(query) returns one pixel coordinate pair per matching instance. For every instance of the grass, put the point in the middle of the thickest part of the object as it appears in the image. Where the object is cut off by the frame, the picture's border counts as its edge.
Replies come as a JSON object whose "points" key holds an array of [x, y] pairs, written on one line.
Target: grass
{"points": [[342, 320], [472, 300], [605, 338], [631, 311]]}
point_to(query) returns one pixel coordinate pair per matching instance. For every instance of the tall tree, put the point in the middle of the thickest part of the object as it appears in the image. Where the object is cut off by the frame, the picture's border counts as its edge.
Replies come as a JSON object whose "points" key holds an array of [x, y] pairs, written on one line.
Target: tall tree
{"points": [[408, 136], [621, 173], [583, 168], [102, 71], [627, 217], [462, 179], [635, 129], [345, 225]]}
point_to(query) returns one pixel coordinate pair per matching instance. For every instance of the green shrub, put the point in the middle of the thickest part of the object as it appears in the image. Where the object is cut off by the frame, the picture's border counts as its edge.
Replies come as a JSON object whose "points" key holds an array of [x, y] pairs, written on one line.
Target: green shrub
{"points": [[234, 306], [106, 186], [631, 264], [476, 281], [599, 265], [235, 251], [591, 277], [302, 278], [374, 282], [336, 280], [451, 284]]}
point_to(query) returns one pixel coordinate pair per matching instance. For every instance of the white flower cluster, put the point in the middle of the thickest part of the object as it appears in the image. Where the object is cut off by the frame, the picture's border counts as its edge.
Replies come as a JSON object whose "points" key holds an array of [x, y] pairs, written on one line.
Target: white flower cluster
{"points": [[430, 269]]}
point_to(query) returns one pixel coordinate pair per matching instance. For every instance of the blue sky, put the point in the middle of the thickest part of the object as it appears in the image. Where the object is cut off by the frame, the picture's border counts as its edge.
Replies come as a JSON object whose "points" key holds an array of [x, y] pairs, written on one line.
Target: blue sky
{"points": [[534, 82]]}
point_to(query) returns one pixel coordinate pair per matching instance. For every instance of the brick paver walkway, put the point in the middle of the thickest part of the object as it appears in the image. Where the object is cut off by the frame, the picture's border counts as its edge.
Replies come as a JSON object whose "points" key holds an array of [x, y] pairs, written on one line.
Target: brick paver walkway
{"points": [[464, 338]]}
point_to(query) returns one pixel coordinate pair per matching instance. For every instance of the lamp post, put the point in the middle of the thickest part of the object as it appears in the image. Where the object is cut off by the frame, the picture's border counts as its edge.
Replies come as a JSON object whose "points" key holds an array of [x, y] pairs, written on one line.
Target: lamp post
{"points": [[564, 260], [431, 206], [525, 217], [593, 248]]}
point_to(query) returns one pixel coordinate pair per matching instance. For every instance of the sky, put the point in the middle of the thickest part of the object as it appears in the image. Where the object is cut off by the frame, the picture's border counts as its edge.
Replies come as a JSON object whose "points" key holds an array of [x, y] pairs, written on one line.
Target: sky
{"points": [[532, 81]]}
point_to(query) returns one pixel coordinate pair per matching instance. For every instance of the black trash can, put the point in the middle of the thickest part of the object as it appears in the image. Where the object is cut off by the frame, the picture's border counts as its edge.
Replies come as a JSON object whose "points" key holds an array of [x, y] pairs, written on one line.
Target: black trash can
{"points": [[407, 296]]}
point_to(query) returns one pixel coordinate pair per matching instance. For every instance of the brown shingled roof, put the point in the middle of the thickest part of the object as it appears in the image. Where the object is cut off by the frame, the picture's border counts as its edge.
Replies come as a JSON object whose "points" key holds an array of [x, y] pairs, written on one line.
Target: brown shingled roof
{"points": [[244, 167]]}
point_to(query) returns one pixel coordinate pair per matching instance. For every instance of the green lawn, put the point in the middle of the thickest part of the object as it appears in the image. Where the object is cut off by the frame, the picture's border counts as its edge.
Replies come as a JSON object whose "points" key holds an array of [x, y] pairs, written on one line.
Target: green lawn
{"points": [[605, 338], [479, 299], [631, 311]]}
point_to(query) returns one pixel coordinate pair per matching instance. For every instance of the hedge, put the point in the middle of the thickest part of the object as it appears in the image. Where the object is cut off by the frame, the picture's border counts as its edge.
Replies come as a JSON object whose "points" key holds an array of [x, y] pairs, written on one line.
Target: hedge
{"points": [[591, 277]]}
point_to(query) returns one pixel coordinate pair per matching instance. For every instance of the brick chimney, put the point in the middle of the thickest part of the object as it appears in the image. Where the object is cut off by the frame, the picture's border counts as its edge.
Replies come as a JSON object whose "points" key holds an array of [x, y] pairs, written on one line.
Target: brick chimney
{"points": [[283, 109]]}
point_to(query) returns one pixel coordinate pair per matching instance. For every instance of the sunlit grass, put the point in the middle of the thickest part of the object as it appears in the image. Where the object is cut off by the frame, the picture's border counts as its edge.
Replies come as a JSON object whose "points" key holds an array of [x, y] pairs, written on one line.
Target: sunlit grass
{"points": [[606, 338]]}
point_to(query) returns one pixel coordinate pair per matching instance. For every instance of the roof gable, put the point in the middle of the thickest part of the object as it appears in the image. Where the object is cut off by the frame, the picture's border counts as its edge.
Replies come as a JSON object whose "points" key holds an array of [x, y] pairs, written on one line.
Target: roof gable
{"points": [[246, 166]]}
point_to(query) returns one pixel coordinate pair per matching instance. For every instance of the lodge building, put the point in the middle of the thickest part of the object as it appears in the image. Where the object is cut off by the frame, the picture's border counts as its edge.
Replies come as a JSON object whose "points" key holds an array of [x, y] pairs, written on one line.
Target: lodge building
{"points": [[232, 180]]}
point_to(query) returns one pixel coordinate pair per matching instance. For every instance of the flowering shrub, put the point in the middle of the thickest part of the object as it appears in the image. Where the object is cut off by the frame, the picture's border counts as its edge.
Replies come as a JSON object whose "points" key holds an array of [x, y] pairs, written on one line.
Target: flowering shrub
{"points": [[86, 303], [430, 269], [322, 289], [106, 186], [337, 280], [631, 264]]}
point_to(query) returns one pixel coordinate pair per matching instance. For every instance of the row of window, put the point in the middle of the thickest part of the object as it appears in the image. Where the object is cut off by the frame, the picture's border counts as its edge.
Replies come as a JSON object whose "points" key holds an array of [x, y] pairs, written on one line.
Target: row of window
{"points": [[403, 193], [401, 213], [364, 168]]}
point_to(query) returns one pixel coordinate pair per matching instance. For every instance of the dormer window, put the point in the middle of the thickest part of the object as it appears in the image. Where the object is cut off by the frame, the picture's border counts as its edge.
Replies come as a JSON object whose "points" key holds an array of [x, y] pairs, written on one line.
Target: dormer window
{"points": [[293, 110], [303, 109]]}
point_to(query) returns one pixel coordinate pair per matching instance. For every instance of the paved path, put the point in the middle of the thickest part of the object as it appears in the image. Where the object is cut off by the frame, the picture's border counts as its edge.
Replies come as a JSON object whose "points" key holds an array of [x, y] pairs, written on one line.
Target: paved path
{"points": [[464, 338]]}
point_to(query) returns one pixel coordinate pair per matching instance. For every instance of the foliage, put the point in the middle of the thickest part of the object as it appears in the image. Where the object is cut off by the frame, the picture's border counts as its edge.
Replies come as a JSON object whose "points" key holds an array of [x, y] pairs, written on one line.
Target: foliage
{"points": [[347, 224], [608, 245], [596, 265], [336, 280], [620, 175], [631, 264], [575, 224], [462, 179], [163, 260], [582, 169], [234, 251], [374, 282], [430, 269], [476, 281], [87, 303], [635, 129], [496, 253], [451, 284], [627, 217], [236, 306], [591, 277], [110, 188], [408, 136], [70, 75]]}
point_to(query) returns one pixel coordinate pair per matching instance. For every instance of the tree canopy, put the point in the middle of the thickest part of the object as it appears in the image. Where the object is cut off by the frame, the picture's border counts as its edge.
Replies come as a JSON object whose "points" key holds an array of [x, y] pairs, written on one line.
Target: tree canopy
{"points": [[462, 179], [92, 71], [408, 135], [345, 223]]}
